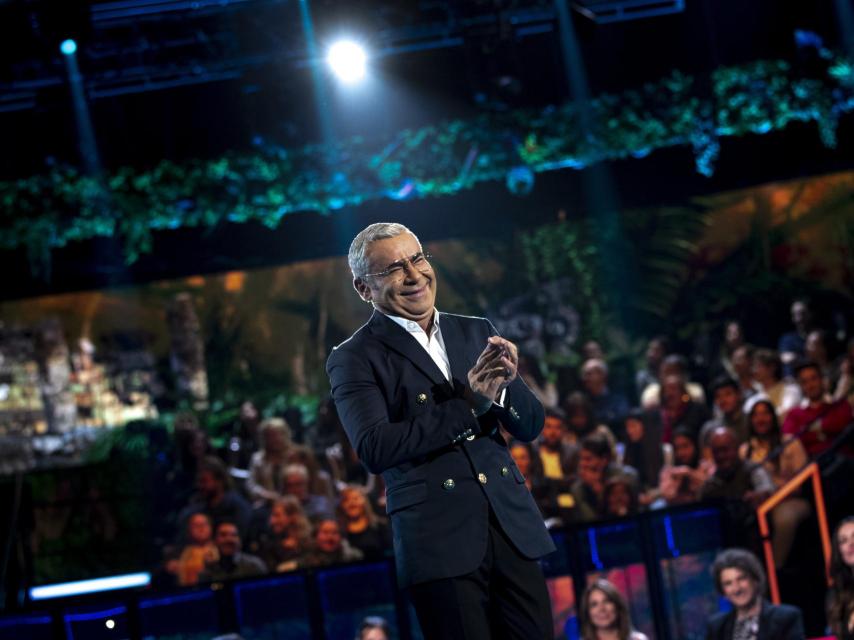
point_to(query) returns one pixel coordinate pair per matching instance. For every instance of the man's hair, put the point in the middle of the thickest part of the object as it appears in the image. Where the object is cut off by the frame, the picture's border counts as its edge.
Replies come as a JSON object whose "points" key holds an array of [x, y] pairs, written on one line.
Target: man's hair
{"points": [[225, 521], [770, 358], [597, 444], [738, 559], [800, 365], [594, 363], [296, 469], [723, 381], [217, 469], [378, 231]]}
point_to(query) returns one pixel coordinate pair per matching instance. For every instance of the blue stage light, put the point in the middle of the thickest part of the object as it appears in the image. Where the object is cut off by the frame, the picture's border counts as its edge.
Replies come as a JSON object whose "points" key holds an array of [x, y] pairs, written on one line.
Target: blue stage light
{"points": [[96, 585], [348, 61], [68, 47]]}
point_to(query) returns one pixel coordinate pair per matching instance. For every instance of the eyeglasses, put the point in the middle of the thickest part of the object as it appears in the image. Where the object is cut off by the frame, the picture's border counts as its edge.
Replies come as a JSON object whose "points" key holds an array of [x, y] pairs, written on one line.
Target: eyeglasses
{"points": [[395, 270]]}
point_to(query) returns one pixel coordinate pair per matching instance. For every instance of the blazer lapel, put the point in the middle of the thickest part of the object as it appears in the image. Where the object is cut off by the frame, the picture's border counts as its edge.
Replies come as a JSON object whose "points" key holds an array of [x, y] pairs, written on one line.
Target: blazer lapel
{"points": [[397, 338], [455, 347]]}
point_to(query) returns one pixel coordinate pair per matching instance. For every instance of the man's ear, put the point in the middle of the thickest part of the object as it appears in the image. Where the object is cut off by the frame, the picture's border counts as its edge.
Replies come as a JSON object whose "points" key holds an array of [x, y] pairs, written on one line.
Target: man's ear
{"points": [[362, 289]]}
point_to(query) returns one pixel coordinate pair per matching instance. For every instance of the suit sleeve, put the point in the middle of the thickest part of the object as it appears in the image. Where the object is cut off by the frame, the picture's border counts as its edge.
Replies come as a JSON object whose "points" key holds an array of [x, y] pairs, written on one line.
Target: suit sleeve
{"points": [[522, 414], [380, 443], [793, 624]]}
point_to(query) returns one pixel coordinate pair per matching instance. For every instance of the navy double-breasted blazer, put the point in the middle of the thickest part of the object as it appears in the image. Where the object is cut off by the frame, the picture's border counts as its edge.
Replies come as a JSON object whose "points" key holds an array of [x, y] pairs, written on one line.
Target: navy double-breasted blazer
{"points": [[443, 467]]}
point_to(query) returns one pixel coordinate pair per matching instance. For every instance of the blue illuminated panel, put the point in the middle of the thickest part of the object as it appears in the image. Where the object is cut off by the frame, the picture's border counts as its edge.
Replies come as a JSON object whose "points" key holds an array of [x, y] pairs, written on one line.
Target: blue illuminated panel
{"points": [[186, 616], [96, 623], [349, 594], [273, 608], [33, 627]]}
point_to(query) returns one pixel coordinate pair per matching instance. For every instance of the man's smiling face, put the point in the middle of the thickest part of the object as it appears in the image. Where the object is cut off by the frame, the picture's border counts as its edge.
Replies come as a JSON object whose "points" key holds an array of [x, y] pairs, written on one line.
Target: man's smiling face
{"points": [[409, 292]]}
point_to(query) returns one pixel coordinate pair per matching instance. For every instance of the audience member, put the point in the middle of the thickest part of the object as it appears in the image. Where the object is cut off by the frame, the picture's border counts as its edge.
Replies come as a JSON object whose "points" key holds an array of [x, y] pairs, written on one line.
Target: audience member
{"points": [[609, 407], [232, 563], [844, 388], [818, 420], [546, 493], [198, 551], [595, 467], [644, 451], [677, 409], [672, 365], [620, 497], [297, 484], [329, 546], [768, 373], [782, 457], [286, 538], [604, 614], [734, 478], [581, 422], [319, 481], [792, 344], [215, 497], [728, 409], [373, 628], [557, 457], [361, 526], [245, 435], [739, 578], [816, 351], [742, 367], [681, 482], [530, 371], [266, 480], [656, 349], [733, 339], [840, 600]]}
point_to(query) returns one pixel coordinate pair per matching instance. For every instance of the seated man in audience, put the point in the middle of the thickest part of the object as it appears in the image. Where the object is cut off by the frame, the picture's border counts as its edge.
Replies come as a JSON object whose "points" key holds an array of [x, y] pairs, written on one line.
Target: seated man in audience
{"points": [[609, 407], [557, 459], [677, 409], [740, 579], [297, 485], [329, 546], [672, 365], [595, 468], [818, 420], [742, 367], [656, 349], [215, 497], [729, 409], [793, 343], [734, 478], [232, 563]]}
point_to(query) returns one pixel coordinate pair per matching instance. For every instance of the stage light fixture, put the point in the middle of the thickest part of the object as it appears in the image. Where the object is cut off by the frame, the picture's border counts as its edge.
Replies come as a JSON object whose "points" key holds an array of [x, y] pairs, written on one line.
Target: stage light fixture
{"points": [[348, 61], [68, 47]]}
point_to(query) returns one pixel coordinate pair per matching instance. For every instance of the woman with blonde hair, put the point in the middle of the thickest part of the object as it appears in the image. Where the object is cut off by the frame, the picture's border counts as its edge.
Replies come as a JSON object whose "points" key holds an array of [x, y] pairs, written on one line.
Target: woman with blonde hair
{"points": [[605, 615], [363, 529], [266, 469], [286, 537]]}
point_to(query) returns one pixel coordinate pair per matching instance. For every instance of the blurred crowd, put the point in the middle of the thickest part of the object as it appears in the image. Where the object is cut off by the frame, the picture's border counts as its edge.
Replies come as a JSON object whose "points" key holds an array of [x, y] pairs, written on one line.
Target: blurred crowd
{"points": [[737, 430]]}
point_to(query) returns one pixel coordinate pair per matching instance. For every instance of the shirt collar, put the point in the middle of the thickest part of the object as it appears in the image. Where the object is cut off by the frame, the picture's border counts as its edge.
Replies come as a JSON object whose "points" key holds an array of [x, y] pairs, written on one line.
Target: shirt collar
{"points": [[413, 327]]}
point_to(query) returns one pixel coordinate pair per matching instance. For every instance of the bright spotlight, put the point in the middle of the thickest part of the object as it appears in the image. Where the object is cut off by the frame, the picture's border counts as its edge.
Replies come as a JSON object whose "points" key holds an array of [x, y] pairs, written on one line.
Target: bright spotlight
{"points": [[68, 47], [348, 61], [110, 624]]}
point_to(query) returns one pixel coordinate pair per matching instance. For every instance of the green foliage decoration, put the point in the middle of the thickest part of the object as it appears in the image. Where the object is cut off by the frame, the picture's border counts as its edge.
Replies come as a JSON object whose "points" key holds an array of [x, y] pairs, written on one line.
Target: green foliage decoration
{"points": [[46, 211]]}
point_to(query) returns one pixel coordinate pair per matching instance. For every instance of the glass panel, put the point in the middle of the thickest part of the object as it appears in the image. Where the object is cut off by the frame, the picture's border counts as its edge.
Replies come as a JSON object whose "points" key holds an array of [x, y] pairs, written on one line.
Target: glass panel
{"points": [[186, 616], [96, 624], [273, 609], [350, 594], [34, 627]]}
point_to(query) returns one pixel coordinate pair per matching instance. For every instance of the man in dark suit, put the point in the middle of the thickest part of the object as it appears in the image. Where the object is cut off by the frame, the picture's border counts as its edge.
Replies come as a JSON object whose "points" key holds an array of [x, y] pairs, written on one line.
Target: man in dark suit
{"points": [[740, 579], [421, 394]]}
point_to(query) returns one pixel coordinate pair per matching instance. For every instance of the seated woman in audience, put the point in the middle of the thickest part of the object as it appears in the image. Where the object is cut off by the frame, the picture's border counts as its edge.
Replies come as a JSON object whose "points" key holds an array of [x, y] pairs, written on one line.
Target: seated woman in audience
{"points": [[319, 481], [604, 614], [286, 536], [581, 422], [644, 451], [768, 372], [739, 578], [840, 610], [782, 456], [362, 528], [200, 549], [328, 546], [680, 482], [266, 480], [620, 497]]}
